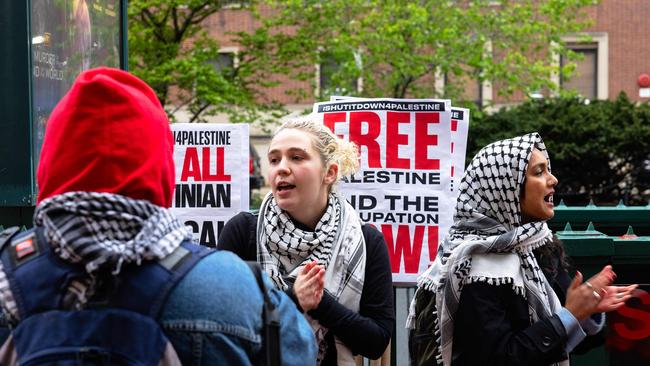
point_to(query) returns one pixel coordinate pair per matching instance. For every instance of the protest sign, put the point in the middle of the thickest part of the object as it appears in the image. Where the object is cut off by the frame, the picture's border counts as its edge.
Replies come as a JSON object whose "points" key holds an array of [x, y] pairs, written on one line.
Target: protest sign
{"points": [[458, 145], [404, 185], [211, 176], [459, 131]]}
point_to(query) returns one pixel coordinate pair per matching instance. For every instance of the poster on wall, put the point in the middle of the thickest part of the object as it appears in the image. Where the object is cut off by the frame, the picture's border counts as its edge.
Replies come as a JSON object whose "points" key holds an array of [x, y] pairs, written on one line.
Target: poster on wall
{"points": [[211, 176], [404, 184], [68, 37]]}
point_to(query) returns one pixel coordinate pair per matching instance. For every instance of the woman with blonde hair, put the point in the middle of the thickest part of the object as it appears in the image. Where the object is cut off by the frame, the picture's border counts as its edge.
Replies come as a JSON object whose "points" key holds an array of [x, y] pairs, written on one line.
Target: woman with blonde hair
{"points": [[313, 245]]}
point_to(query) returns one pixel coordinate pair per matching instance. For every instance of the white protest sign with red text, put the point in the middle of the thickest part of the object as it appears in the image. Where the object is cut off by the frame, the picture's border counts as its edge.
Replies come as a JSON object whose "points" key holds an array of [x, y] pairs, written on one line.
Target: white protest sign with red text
{"points": [[211, 176], [404, 185]]}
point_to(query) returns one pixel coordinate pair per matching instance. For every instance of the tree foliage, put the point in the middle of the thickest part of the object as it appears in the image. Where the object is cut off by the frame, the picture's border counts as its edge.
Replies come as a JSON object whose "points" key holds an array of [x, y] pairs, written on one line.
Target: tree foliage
{"points": [[170, 49], [598, 150], [395, 47]]}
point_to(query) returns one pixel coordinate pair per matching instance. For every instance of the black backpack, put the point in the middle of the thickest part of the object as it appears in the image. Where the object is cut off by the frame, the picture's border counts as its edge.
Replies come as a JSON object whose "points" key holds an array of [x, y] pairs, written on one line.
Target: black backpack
{"points": [[422, 344]]}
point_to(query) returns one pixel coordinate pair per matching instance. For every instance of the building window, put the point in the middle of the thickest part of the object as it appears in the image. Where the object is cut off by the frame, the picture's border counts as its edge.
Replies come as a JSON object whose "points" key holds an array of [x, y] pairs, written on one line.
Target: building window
{"points": [[471, 90], [591, 77], [327, 67], [326, 70], [585, 79], [226, 59]]}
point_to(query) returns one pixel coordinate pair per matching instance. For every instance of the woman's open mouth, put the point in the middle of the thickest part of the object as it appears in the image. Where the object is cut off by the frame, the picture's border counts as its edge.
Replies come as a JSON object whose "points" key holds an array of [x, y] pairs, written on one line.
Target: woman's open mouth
{"points": [[285, 187], [549, 199]]}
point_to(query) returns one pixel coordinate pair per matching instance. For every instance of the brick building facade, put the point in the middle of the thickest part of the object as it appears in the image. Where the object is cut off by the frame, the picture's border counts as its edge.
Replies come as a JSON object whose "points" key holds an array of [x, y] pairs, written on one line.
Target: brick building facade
{"points": [[617, 54]]}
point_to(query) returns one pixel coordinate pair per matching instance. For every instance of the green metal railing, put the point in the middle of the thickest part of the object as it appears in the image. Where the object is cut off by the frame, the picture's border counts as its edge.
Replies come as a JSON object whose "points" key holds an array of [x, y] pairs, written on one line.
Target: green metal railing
{"points": [[610, 220], [619, 235]]}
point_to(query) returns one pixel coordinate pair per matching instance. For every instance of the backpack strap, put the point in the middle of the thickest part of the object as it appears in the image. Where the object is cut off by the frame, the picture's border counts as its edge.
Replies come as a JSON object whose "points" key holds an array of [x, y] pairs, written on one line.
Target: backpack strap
{"points": [[7, 234], [18, 254], [271, 322], [5, 237], [179, 263], [145, 288]]}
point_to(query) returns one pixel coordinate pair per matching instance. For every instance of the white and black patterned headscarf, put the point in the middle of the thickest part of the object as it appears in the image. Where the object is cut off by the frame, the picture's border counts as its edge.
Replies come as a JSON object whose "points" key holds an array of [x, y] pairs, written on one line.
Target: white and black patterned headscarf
{"points": [[337, 244], [488, 222], [286, 247]]}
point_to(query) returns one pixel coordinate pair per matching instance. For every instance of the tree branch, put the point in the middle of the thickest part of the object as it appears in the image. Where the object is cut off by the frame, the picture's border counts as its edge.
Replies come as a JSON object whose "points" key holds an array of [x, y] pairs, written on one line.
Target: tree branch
{"points": [[198, 112]]}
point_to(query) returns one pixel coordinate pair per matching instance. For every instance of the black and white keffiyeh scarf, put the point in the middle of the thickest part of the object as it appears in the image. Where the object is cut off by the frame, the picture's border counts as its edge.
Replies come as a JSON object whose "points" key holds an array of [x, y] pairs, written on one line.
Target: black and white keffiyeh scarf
{"points": [[337, 243], [103, 231], [488, 242]]}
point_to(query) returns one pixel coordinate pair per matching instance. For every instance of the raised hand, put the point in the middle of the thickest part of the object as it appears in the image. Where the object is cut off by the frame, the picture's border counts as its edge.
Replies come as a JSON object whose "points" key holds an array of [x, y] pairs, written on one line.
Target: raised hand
{"points": [[582, 299], [615, 297], [602, 279], [309, 286]]}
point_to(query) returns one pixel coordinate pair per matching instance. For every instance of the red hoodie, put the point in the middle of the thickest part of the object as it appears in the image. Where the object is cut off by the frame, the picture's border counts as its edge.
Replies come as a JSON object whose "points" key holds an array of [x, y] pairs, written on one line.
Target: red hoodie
{"points": [[109, 133]]}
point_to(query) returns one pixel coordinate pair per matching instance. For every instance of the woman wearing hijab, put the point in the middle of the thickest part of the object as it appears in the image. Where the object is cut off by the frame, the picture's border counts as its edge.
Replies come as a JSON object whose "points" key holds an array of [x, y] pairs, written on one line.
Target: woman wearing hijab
{"points": [[498, 292], [313, 245]]}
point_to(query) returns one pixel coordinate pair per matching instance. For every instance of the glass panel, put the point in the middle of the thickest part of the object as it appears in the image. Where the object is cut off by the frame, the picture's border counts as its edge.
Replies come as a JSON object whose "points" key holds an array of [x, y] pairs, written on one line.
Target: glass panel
{"points": [[327, 85], [584, 81], [328, 67], [470, 90], [225, 61], [68, 36]]}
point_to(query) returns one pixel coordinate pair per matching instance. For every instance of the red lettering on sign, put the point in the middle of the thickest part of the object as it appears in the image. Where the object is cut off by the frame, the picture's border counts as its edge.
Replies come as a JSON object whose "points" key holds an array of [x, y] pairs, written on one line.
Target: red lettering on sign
{"points": [[394, 139], [409, 247], [201, 172], [454, 125], [369, 140], [432, 238], [331, 119], [220, 176], [401, 247], [641, 320], [423, 140], [191, 167]]}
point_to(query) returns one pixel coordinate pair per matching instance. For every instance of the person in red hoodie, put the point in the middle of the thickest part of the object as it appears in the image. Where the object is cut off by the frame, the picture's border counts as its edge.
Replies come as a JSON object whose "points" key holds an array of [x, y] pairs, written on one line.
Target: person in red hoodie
{"points": [[105, 185]]}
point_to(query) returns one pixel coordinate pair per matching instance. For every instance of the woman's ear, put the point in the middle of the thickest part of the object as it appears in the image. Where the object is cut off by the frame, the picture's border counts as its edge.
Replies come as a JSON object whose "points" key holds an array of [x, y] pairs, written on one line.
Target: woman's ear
{"points": [[331, 174]]}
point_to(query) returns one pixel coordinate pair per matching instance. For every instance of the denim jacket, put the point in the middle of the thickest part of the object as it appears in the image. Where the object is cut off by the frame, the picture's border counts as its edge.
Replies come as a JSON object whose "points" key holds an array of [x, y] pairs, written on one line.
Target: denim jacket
{"points": [[213, 317]]}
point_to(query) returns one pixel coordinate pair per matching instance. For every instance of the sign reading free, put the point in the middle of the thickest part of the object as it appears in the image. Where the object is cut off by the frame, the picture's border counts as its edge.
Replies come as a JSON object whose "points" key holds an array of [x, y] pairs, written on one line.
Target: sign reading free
{"points": [[404, 185]]}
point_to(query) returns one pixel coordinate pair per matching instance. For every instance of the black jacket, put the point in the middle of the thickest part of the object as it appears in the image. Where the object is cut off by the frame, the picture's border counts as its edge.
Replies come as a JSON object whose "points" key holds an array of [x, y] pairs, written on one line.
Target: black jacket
{"points": [[493, 324], [492, 327]]}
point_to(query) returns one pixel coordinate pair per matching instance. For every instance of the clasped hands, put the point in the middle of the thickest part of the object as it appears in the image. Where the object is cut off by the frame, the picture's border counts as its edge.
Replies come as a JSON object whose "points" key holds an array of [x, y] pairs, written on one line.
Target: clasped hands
{"points": [[309, 286]]}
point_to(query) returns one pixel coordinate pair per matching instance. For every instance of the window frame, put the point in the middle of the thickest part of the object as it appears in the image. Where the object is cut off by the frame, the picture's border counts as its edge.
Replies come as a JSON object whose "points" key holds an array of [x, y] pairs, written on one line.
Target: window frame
{"points": [[317, 76], [234, 50], [601, 42]]}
